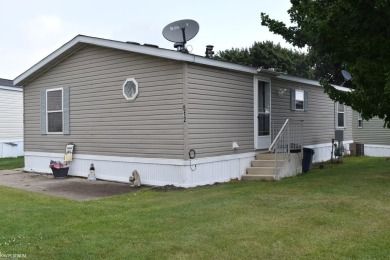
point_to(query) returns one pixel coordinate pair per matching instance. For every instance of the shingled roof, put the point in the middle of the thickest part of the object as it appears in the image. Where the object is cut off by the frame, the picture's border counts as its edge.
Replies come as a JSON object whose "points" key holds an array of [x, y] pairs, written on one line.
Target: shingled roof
{"points": [[6, 82], [80, 41]]}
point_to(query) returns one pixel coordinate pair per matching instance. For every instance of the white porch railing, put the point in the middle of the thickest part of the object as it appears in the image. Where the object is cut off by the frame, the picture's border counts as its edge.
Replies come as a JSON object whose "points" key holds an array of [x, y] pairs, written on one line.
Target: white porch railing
{"points": [[288, 139]]}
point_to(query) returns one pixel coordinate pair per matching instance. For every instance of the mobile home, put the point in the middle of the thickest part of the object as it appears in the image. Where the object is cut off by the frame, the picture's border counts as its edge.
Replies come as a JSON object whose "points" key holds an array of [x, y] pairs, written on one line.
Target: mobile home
{"points": [[175, 117], [11, 119], [372, 135]]}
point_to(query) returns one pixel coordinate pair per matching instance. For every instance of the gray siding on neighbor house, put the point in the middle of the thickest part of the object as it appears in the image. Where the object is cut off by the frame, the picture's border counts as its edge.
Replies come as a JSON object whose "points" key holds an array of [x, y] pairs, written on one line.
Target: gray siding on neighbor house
{"points": [[318, 120], [220, 111], [102, 122], [372, 131]]}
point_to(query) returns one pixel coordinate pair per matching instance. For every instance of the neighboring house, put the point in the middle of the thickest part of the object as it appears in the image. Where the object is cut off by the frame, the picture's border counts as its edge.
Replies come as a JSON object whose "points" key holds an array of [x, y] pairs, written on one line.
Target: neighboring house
{"points": [[11, 119], [372, 134], [176, 118]]}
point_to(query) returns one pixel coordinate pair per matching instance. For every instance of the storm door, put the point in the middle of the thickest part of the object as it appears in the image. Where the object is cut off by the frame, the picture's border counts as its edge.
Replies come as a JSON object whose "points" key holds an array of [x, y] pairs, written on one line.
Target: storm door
{"points": [[263, 115]]}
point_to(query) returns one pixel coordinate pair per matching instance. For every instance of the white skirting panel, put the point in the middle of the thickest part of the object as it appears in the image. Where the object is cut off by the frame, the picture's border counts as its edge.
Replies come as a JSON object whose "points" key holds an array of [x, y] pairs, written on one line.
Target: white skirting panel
{"points": [[156, 172], [377, 150], [322, 152], [11, 148], [226, 168]]}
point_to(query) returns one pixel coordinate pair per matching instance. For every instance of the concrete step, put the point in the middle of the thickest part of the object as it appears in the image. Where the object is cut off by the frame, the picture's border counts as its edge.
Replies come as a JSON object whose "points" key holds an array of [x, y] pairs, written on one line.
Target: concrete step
{"points": [[261, 170], [265, 156], [263, 163], [249, 177]]}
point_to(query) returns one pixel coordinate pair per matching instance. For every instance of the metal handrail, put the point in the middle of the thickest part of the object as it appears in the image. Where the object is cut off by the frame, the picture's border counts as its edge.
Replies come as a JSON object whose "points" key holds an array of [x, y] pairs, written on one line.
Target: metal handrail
{"points": [[272, 146], [289, 137]]}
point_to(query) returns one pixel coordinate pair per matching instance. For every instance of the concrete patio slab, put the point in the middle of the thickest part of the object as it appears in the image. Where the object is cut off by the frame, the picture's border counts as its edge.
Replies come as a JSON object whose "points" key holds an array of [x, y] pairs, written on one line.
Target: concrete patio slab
{"points": [[73, 188]]}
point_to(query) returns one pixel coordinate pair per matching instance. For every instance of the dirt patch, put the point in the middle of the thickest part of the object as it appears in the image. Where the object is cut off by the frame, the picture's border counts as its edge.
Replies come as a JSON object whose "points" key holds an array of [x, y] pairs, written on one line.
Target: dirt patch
{"points": [[86, 190], [167, 188]]}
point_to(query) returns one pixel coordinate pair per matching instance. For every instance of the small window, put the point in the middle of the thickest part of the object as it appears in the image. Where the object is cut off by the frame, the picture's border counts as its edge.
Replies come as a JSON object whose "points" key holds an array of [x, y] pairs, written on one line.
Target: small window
{"points": [[299, 100], [340, 108], [360, 120], [54, 111], [130, 89]]}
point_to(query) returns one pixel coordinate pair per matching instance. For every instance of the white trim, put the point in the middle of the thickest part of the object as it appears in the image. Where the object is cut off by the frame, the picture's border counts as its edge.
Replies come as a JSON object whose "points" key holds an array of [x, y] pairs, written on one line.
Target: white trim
{"points": [[136, 89], [359, 118], [256, 80], [11, 88], [255, 109], [337, 116], [158, 52], [303, 100], [156, 171]]}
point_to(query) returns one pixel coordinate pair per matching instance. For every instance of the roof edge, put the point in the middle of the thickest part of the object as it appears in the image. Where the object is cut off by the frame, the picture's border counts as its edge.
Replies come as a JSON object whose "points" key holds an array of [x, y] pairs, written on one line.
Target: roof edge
{"points": [[163, 53], [310, 82], [22, 77], [11, 88]]}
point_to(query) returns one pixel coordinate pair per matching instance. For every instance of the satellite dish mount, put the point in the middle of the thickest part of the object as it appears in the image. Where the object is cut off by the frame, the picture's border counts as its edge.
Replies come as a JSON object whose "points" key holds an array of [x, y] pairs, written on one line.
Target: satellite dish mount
{"points": [[180, 32]]}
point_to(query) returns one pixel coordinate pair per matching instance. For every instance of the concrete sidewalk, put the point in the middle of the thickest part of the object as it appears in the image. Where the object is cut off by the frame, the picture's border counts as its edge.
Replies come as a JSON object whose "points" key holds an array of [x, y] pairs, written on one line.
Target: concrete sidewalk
{"points": [[73, 188]]}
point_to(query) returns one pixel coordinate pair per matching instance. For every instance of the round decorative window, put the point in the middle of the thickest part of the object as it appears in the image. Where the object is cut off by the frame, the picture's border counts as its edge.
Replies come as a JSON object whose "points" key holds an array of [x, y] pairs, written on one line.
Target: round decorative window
{"points": [[130, 89]]}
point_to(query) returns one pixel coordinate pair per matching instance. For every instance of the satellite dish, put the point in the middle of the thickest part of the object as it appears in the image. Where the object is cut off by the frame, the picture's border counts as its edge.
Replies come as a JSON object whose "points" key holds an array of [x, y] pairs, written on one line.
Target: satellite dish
{"points": [[180, 32], [347, 76]]}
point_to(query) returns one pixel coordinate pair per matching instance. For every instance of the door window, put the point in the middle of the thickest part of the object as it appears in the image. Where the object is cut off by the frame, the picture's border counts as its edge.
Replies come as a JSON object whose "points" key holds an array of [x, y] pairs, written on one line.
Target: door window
{"points": [[263, 109]]}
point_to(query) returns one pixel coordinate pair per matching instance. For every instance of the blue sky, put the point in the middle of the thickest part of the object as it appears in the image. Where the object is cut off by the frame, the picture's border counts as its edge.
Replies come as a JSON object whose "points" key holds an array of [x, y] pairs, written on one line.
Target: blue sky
{"points": [[32, 29]]}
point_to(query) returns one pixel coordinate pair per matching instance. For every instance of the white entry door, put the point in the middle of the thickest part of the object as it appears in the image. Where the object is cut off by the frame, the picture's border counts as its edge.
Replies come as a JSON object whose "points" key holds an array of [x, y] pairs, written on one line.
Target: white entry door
{"points": [[263, 115]]}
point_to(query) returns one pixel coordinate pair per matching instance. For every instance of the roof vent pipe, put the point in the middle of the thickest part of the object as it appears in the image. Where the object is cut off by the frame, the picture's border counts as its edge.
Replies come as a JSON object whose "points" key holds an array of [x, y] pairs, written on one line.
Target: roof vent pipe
{"points": [[209, 51]]}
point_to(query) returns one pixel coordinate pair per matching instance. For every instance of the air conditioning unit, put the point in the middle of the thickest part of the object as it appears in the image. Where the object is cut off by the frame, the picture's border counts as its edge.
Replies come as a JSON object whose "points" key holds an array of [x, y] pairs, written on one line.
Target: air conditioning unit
{"points": [[357, 149]]}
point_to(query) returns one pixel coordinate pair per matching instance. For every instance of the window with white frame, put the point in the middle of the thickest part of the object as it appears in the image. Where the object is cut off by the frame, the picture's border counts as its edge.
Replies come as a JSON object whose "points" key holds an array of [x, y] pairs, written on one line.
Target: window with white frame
{"points": [[299, 100], [360, 120], [130, 89], [340, 109], [54, 110]]}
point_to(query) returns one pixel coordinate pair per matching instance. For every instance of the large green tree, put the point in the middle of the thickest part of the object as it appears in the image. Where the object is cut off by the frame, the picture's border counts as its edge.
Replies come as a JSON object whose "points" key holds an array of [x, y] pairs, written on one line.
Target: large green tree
{"points": [[270, 56], [345, 34]]}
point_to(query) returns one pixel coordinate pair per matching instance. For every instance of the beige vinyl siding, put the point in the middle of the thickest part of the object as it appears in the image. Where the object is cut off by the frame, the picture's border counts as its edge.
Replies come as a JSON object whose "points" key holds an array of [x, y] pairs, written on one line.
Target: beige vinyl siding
{"points": [[102, 122], [372, 132], [11, 114], [318, 120], [220, 111]]}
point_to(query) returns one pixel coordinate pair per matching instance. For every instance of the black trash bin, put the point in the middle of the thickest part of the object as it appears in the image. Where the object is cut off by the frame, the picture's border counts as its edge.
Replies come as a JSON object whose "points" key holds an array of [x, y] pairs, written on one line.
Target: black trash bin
{"points": [[307, 159]]}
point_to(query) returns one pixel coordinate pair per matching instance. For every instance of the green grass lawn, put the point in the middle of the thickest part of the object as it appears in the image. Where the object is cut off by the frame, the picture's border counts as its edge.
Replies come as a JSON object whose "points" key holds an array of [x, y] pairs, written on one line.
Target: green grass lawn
{"points": [[340, 212], [11, 163]]}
